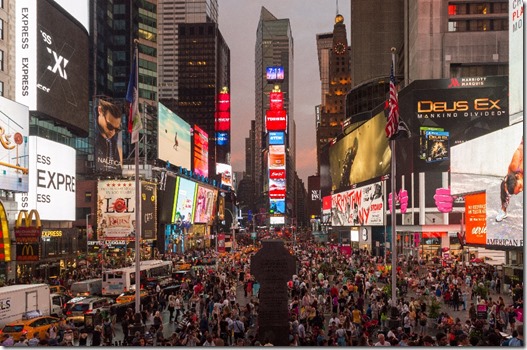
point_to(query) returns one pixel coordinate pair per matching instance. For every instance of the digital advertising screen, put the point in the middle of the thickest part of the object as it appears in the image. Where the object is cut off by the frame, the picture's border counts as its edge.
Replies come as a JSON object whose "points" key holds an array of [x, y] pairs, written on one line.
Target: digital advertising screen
{"points": [[204, 210], [274, 73], [222, 138], [276, 120], [276, 100], [276, 157], [277, 174], [226, 173], [277, 188], [173, 134], [52, 61], [493, 163], [185, 197], [108, 138], [115, 209], [166, 196], [51, 180], [277, 206], [362, 155], [201, 152], [276, 138], [148, 210], [224, 102], [222, 121], [449, 112], [14, 160], [359, 206]]}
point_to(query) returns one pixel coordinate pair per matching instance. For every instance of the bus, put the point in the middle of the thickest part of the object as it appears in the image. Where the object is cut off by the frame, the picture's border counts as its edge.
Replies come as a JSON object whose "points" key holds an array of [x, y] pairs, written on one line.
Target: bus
{"points": [[153, 272]]}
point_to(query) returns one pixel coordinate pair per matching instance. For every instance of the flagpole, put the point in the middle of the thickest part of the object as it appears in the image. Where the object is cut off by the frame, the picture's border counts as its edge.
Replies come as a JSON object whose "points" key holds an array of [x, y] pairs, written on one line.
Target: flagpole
{"points": [[394, 229], [137, 198]]}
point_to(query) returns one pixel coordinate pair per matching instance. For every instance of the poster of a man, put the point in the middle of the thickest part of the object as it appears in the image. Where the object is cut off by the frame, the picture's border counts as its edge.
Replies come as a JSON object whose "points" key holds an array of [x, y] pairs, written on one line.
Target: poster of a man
{"points": [[108, 139], [512, 183]]}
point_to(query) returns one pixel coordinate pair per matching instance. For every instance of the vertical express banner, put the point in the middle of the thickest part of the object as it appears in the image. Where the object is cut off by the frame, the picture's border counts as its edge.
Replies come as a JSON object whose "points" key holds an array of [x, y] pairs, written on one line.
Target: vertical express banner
{"points": [[148, 209], [476, 218]]}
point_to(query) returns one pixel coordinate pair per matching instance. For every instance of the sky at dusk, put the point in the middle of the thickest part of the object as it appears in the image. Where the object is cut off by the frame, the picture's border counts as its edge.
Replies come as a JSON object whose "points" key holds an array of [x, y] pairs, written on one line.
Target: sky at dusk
{"points": [[238, 21]]}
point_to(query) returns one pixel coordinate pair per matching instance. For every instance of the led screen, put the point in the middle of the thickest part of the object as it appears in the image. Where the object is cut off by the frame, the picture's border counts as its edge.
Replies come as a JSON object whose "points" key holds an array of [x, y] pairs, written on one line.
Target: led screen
{"points": [[183, 212], [359, 206], [173, 138], [201, 152], [276, 120], [226, 173], [115, 209], [274, 73], [108, 142], [204, 205], [276, 138]]}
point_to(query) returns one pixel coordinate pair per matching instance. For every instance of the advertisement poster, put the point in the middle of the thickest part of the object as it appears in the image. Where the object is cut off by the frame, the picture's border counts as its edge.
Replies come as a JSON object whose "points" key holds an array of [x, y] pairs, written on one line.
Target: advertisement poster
{"points": [[276, 120], [475, 219], [51, 180], [186, 195], [115, 209], [276, 138], [221, 243], [277, 188], [494, 163], [361, 155], [359, 206], [276, 157], [148, 210], [226, 173], [204, 205], [277, 206], [14, 150], [201, 152], [108, 143], [173, 138]]}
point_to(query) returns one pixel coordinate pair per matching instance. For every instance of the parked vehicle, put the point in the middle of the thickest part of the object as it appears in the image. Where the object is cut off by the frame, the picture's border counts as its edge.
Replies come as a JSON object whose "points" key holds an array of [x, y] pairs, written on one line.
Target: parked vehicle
{"points": [[19, 299], [87, 306], [89, 287], [31, 323]]}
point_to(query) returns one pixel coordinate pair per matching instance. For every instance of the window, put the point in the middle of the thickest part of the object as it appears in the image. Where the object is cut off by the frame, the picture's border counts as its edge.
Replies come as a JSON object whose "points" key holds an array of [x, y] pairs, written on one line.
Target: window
{"points": [[2, 60], [1, 88], [1, 29]]}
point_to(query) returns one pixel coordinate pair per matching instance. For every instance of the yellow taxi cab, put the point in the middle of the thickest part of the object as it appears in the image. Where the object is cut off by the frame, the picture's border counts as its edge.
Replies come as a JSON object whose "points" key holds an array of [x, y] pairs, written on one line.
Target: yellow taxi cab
{"points": [[58, 289], [31, 323], [129, 296]]}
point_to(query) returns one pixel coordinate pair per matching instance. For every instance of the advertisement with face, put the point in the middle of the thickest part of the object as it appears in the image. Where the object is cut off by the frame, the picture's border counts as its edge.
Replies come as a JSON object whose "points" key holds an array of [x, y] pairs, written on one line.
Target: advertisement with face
{"points": [[115, 209], [361, 155], [108, 143], [186, 195], [14, 149], [359, 206], [201, 152], [226, 173], [204, 205], [52, 63], [494, 163], [51, 180], [173, 138]]}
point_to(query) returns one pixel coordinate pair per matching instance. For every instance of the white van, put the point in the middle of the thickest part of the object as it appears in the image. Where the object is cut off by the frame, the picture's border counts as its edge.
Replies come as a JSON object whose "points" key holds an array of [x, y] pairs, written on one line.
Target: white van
{"points": [[89, 287]]}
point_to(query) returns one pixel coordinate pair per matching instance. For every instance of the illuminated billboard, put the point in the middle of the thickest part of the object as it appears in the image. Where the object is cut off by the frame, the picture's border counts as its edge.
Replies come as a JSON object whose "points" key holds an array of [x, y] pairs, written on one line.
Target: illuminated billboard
{"points": [[277, 206], [108, 141], [148, 210], [475, 218], [276, 157], [51, 180], [493, 163], [185, 196], [358, 207], [115, 209], [173, 138], [222, 121], [362, 155], [274, 73], [14, 150], [52, 54], [277, 174], [201, 152], [204, 210], [222, 138], [276, 100], [451, 112], [226, 173], [224, 102], [277, 188], [276, 138], [276, 120]]}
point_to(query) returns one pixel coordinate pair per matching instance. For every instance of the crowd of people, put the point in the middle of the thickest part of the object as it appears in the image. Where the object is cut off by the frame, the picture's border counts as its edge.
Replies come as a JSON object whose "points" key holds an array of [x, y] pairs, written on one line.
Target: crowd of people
{"points": [[334, 300]]}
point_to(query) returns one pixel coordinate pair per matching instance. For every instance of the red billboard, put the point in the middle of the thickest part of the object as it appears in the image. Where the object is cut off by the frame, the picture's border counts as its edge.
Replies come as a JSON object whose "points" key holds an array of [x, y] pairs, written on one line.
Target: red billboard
{"points": [[276, 173], [476, 218], [276, 120], [222, 121], [201, 152], [224, 102], [276, 101]]}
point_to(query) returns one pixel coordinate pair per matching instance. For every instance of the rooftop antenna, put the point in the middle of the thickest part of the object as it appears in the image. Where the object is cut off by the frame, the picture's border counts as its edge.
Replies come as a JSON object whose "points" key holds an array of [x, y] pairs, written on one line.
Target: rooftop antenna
{"points": [[337, 1]]}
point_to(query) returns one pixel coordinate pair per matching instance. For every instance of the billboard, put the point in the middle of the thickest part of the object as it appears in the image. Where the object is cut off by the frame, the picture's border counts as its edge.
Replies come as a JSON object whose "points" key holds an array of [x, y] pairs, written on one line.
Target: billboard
{"points": [[276, 138], [165, 194], [226, 173], [452, 111], [276, 173], [52, 54], [51, 180], [276, 157], [222, 138], [148, 210], [204, 211], [276, 100], [222, 121], [108, 143], [224, 101], [115, 209], [274, 73], [276, 120], [277, 188], [277, 206], [362, 155], [475, 218], [516, 58], [201, 152], [173, 138], [494, 163], [14, 150], [358, 207], [185, 198]]}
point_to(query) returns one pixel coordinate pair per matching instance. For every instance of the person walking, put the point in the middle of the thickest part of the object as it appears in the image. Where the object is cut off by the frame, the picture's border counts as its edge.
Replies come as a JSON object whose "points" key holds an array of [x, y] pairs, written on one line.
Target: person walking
{"points": [[171, 306]]}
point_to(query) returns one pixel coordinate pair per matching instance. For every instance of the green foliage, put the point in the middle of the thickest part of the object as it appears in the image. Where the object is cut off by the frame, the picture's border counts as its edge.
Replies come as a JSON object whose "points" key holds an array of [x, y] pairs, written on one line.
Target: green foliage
{"points": [[434, 307]]}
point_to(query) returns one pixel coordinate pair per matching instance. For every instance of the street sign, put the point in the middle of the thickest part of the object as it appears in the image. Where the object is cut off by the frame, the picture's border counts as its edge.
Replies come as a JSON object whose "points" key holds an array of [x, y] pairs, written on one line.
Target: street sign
{"points": [[253, 235]]}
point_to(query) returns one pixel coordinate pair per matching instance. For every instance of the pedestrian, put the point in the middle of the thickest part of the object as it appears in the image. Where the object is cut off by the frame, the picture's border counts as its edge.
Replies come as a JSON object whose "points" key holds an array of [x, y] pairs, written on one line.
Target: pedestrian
{"points": [[171, 306], [108, 331]]}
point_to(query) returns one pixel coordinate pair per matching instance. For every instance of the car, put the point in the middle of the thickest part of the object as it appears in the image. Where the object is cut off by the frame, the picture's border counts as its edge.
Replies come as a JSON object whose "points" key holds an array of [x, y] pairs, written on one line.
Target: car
{"points": [[128, 297], [67, 306], [88, 305], [58, 289], [31, 323]]}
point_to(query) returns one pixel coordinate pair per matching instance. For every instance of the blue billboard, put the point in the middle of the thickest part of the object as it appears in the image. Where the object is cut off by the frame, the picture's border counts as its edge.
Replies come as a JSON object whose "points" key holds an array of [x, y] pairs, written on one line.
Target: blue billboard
{"points": [[276, 138]]}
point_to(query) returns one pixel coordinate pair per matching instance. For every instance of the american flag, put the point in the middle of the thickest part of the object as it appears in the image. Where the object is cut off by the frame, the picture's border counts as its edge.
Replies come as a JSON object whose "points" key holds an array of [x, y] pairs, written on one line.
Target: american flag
{"points": [[393, 105], [132, 96]]}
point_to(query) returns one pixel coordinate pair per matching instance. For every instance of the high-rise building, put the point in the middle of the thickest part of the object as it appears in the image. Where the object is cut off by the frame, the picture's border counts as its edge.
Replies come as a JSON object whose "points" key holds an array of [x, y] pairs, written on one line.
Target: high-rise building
{"points": [[274, 47], [194, 66], [334, 67], [7, 52]]}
